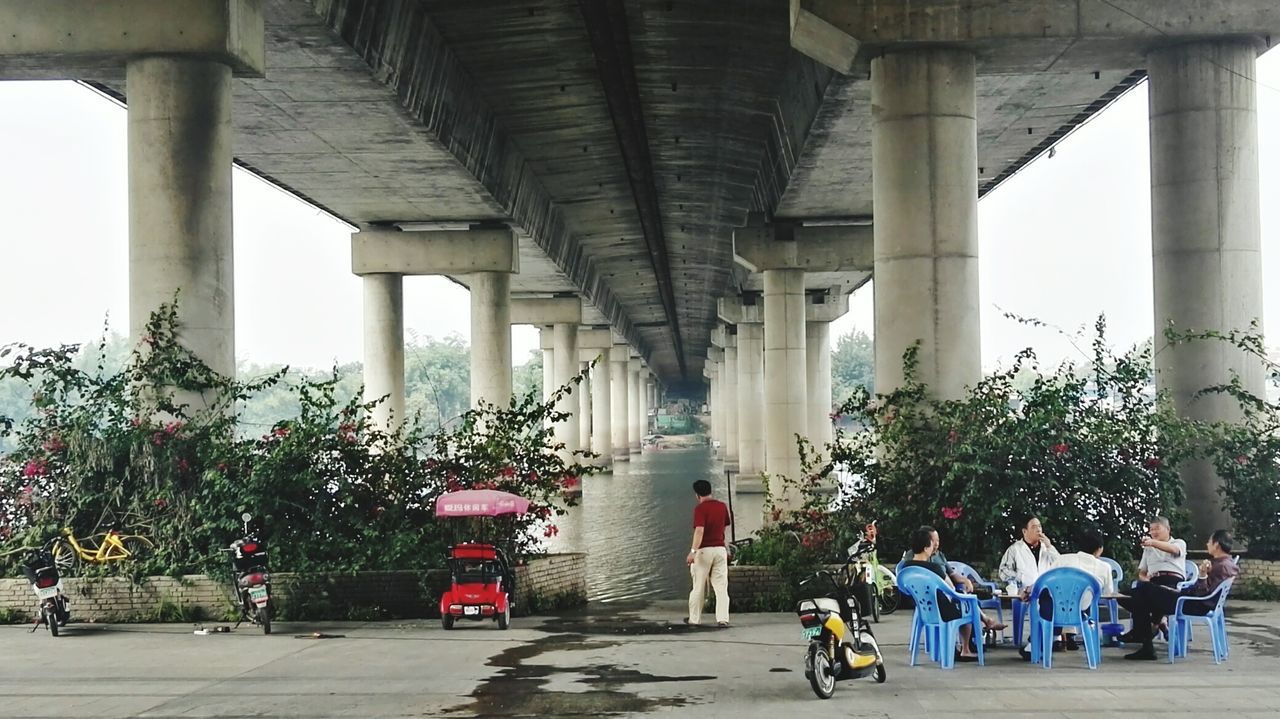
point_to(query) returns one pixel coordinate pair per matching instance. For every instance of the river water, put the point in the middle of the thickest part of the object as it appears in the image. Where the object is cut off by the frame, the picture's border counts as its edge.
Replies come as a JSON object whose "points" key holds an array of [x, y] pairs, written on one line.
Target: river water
{"points": [[635, 523]]}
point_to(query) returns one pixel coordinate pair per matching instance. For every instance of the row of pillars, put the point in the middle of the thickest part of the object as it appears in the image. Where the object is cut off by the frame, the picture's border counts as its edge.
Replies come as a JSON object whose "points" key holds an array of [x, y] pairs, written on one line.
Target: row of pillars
{"points": [[1205, 234], [606, 414]]}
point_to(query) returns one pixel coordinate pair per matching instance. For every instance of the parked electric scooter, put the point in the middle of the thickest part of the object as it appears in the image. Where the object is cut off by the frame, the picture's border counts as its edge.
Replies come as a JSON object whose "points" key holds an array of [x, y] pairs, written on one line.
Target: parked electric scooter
{"points": [[841, 643], [54, 610], [250, 576]]}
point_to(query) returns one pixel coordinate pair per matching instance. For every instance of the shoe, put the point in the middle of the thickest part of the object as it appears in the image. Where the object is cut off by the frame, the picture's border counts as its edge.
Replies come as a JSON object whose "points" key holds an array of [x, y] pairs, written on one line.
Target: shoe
{"points": [[1070, 642], [997, 627], [722, 625], [1130, 637], [967, 658], [1146, 653], [691, 624], [1025, 652]]}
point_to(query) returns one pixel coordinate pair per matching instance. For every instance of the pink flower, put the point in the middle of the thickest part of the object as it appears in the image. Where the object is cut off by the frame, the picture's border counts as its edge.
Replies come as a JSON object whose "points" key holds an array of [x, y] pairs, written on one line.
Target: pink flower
{"points": [[282, 431], [952, 512], [569, 482], [1242, 459], [1152, 463], [1060, 448], [160, 503], [952, 436], [508, 471], [54, 444], [35, 468], [222, 466], [172, 428], [157, 438], [551, 531]]}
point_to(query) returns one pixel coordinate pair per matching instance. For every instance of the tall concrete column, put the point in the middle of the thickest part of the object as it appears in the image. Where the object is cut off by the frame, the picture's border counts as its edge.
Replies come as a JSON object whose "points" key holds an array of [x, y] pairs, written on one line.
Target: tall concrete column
{"points": [[548, 362], [1206, 236], [384, 347], [633, 405], [602, 411], [785, 386], [584, 409], [729, 397], [619, 359], [751, 445], [644, 404], [818, 361], [179, 132], [925, 196], [565, 354], [490, 338], [715, 409]]}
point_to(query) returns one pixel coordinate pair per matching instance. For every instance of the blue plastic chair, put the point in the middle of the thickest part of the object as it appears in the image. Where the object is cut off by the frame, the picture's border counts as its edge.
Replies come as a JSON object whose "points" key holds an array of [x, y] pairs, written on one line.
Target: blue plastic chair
{"points": [[1180, 623], [924, 587], [1113, 607], [1192, 574], [972, 575], [1066, 587]]}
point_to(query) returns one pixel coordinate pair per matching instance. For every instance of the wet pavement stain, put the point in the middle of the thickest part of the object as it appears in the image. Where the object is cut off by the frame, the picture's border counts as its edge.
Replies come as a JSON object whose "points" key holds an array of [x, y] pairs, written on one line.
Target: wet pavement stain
{"points": [[518, 689], [618, 620], [779, 670]]}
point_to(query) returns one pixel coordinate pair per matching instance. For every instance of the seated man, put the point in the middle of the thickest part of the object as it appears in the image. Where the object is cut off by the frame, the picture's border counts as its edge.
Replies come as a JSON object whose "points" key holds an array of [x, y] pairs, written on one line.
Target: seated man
{"points": [[1150, 599], [1028, 557], [922, 551], [1163, 557], [1086, 559]]}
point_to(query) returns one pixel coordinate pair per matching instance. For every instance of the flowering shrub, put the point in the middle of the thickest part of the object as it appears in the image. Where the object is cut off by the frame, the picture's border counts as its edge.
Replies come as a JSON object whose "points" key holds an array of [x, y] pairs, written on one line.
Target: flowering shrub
{"points": [[153, 449]]}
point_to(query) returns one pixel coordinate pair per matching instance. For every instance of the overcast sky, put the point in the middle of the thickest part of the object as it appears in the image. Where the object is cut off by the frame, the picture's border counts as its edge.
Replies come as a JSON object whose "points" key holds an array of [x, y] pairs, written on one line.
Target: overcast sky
{"points": [[1067, 238]]}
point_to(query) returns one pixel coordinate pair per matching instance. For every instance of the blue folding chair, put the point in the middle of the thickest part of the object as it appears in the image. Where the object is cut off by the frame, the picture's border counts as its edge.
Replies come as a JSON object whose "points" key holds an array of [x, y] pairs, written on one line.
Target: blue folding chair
{"points": [[1180, 623], [972, 575], [925, 588], [1066, 587]]}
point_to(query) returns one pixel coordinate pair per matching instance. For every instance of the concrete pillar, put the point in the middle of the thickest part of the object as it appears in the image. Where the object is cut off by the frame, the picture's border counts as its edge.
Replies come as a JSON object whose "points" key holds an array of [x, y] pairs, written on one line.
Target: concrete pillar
{"points": [[619, 358], [729, 397], [785, 387], [565, 354], [548, 362], [384, 347], [179, 133], [644, 404], [714, 408], [602, 411], [1206, 236], [584, 409], [490, 338], [751, 446], [818, 361], [925, 197], [633, 405]]}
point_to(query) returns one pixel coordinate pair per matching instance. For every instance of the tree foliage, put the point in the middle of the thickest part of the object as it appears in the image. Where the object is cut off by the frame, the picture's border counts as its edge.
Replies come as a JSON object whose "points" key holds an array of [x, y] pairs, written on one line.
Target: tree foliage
{"points": [[153, 448]]}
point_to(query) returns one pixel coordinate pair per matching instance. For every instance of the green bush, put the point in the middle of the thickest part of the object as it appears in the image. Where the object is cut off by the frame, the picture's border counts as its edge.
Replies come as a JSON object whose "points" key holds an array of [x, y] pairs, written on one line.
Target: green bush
{"points": [[1257, 588], [153, 449]]}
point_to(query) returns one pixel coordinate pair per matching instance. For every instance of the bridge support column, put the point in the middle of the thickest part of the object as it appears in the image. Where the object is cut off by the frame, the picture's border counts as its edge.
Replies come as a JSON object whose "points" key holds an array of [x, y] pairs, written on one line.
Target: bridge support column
{"points": [[584, 407], [817, 355], [745, 313], [565, 354], [633, 405], [725, 338], [619, 359], [785, 383], [384, 347], [491, 338], [602, 411], [180, 238], [925, 195], [486, 256], [1206, 234]]}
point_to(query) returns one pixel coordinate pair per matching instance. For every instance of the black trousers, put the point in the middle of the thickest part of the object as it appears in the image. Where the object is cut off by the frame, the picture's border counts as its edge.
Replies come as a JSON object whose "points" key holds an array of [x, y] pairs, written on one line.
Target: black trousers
{"points": [[1149, 601]]}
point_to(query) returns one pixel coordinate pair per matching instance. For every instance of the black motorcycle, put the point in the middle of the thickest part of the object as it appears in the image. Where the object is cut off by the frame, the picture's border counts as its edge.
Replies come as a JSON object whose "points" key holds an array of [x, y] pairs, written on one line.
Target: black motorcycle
{"points": [[250, 576], [42, 572]]}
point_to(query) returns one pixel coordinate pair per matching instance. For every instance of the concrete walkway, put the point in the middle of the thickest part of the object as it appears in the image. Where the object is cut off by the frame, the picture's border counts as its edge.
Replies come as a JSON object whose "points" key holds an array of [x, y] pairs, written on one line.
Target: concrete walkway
{"points": [[608, 661]]}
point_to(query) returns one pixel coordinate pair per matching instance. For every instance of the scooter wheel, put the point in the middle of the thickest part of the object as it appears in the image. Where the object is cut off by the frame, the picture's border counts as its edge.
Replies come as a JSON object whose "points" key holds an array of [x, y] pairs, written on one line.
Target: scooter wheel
{"points": [[264, 618], [880, 674], [822, 676], [51, 620]]}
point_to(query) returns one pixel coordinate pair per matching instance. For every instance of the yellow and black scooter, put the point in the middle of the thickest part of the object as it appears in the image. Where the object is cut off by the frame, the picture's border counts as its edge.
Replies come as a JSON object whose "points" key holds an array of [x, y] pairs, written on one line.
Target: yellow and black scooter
{"points": [[841, 644]]}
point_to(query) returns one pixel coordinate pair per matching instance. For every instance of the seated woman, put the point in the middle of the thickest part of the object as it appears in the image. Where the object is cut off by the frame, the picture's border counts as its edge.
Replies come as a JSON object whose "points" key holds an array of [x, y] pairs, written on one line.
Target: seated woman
{"points": [[922, 548]]}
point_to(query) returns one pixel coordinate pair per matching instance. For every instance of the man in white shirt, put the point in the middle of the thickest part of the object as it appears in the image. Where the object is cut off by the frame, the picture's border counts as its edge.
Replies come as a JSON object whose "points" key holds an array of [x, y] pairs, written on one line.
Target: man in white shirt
{"points": [[1164, 559], [1026, 559], [1090, 546]]}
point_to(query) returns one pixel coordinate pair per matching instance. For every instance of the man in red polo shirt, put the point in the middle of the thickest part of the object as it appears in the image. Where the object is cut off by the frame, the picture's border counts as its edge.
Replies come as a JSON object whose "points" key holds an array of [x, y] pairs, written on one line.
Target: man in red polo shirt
{"points": [[708, 556]]}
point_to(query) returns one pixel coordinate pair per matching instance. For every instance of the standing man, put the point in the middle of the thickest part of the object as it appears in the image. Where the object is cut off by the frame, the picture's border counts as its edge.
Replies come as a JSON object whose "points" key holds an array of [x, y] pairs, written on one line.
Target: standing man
{"points": [[708, 556]]}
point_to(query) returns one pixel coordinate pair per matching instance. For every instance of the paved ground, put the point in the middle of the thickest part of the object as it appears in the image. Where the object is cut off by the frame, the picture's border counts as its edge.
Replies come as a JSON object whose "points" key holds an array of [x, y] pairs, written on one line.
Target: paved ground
{"points": [[610, 661]]}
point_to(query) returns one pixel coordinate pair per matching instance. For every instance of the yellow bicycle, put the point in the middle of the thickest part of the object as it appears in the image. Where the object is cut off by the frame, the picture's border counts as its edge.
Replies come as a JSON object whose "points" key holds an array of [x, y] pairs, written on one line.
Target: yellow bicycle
{"points": [[112, 546]]}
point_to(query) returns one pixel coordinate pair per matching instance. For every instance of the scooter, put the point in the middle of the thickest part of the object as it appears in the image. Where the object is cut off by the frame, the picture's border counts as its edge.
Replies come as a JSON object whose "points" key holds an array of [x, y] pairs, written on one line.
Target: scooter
{"points": [[252, 580], [841, 643], [42, 573]]}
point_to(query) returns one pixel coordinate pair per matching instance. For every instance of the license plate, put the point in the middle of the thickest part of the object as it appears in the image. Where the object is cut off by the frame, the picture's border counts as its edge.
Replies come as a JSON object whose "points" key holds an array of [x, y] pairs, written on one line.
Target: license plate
{"points": [[259, 595], [47, 592], [471, 610], [810, 632]]}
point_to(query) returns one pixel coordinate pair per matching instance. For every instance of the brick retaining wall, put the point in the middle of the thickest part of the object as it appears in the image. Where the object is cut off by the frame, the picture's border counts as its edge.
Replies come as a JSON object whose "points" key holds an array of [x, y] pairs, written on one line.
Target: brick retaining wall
{"points": [[1266, 569], [546, 582]]}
